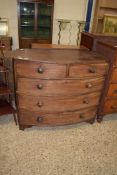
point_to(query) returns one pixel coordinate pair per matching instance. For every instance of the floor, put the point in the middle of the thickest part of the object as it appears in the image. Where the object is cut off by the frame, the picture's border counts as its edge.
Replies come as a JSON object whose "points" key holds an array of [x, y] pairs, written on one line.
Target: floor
{"points": [[81, 149]]}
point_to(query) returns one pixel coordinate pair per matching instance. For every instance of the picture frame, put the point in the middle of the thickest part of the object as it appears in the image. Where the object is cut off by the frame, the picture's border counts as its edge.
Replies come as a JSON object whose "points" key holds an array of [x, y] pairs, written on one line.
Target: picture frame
{"points": [[3, 27], [110, 24]]}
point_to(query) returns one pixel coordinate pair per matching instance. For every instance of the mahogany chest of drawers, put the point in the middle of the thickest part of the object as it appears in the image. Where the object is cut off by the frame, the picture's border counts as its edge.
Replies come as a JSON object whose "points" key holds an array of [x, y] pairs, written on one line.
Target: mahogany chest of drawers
{"points": [[58, 87], [109, 98]]}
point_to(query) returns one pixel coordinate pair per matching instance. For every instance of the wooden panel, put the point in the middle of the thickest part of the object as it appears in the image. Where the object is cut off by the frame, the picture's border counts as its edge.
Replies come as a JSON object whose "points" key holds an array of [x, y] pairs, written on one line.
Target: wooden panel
{"points": [[112, 90], [44, 41], [114, 75], [77, 70], [54, 46], [26, 42], [62, 87], [109, 4], [110, 106], [37, 118], [58, 103], [87, 41], [40, 70]]}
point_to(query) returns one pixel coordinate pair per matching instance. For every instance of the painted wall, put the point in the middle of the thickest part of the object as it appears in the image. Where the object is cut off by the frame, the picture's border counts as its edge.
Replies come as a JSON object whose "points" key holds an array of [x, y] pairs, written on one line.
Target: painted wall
{"points": [[64, 9], [71, 10], [8, 9]]}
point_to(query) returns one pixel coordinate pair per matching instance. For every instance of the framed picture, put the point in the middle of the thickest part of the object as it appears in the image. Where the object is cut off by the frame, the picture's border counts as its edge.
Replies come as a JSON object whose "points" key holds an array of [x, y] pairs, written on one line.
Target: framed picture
{"points": [[110, 24], [3, 27]]}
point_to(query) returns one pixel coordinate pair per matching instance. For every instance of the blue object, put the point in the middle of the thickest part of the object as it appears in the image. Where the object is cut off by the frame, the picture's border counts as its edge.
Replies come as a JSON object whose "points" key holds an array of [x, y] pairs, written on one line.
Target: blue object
{"points": [[88, 17]]}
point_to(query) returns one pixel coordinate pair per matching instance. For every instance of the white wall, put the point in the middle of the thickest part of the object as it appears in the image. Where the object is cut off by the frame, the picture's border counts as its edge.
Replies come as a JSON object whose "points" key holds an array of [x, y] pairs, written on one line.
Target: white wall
{"points": [[63, 9], [8, 9], [71, 10]]}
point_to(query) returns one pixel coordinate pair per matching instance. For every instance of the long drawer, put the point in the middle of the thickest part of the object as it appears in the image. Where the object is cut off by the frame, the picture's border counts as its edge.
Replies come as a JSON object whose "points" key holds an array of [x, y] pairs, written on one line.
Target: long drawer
{"points": [[88, 70], [110, 106], [40, 70], [38, 118], [58, 103], [62, 87]]}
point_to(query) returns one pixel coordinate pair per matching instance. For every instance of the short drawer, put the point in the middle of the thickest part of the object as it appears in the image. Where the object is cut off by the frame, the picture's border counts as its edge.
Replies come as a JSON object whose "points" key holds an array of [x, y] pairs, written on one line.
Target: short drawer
{"points": [[37, 118], [62, 87], [112, 92], [91, 70], [40, 70], [58, 103], [110, 106], [114, 75]]}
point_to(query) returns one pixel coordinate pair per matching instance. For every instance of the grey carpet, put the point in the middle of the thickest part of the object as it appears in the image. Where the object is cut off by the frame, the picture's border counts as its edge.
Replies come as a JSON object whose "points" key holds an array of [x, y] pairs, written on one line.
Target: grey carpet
{"points": [[81, 149]]}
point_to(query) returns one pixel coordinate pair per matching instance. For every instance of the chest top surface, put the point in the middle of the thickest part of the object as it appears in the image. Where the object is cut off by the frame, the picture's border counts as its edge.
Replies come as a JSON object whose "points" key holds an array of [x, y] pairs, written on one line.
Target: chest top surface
{"points": [[59, 56]]}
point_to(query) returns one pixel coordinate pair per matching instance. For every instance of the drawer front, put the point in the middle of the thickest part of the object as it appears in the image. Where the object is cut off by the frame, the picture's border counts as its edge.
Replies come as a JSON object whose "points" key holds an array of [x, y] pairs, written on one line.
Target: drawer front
{"points": [[110, 106], [77, 70], [112, 90], [62, 87], [37, 118], [114, 75], [40, 70], [58, 104]]}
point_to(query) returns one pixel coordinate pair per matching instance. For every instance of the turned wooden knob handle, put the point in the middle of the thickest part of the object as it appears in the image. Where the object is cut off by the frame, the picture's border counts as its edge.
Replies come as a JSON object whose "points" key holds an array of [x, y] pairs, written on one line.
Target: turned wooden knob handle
{"points": [[40, 104], [40, 86], [89, 85], [82, 116], [40, 70], [40, 119], [92, 70], [113, 107], [86, 101]]}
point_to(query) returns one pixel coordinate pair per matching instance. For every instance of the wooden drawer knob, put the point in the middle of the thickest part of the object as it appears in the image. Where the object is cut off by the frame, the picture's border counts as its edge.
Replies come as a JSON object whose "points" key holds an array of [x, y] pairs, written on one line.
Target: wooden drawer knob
{"points": [[86, 101], [82, 116], [40, 119], [89, 85], [40, 70], [40, 104], [92, 70], [40, 86], [113, 107]]}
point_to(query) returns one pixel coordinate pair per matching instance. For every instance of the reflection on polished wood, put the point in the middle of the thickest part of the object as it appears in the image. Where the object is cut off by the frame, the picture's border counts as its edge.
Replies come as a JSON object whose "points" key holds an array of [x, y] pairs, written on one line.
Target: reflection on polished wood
{"points": [[54, 46]]}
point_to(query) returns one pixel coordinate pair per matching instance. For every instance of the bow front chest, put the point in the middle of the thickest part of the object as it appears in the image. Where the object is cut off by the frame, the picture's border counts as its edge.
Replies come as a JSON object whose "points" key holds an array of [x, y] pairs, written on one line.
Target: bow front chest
{"points": [[58, 87]]}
